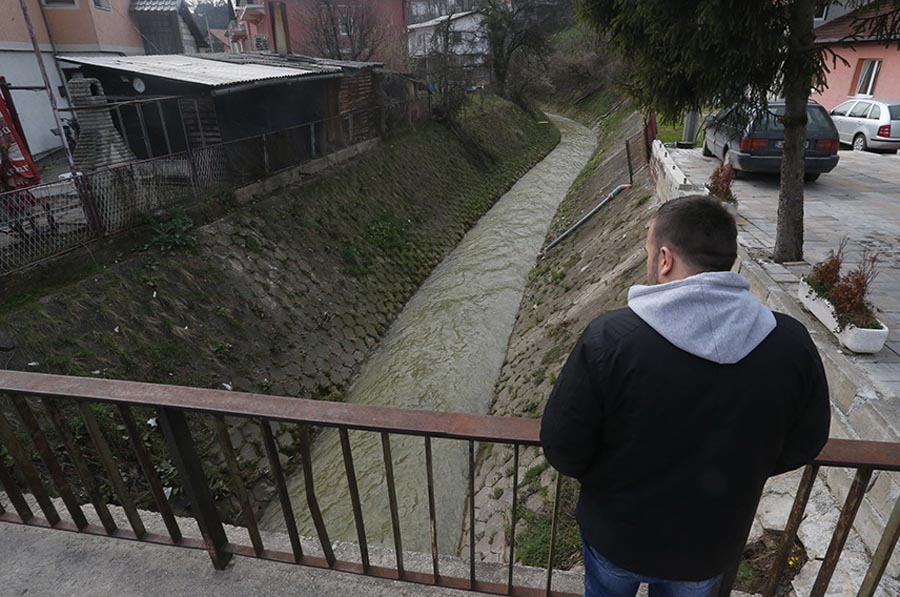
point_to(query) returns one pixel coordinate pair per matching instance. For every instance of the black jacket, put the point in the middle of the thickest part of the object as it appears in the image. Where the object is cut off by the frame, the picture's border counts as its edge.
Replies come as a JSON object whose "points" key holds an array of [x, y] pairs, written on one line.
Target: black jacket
{"points": [[672, 450]]}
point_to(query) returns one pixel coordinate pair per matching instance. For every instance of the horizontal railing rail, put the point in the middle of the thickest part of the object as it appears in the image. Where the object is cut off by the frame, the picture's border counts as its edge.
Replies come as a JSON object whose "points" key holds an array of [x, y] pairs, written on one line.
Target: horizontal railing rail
{"points": [[31, 414]]}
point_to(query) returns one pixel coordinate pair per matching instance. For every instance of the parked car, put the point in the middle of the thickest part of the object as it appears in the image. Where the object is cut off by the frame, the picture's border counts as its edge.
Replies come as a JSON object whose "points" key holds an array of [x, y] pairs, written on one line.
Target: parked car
{"points": [[758, 146], [869, 124]]}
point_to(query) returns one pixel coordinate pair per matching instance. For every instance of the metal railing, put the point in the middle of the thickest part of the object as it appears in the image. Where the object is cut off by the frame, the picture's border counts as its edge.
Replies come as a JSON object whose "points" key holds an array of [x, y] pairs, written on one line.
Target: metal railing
{"points": [[45, 427], [49, 219]]}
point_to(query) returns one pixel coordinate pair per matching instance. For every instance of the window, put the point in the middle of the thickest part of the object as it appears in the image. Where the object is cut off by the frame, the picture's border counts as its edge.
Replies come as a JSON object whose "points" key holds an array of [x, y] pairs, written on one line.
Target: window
{"points": [[868, 75], [843, 109], [346, 24], [895, 112], [822, 10], [102, 4], [59, 2], [860, 110], [456, 37], [875, 114]]}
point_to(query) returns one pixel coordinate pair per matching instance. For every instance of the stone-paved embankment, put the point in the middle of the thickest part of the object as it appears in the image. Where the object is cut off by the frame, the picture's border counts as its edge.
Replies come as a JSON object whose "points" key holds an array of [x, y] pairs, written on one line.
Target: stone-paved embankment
{"points": [[288, 295]]}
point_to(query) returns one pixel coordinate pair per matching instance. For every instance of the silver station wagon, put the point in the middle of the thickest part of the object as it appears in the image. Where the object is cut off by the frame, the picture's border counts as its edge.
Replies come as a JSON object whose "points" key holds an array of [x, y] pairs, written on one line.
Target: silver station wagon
{"points": [[869, 124]]}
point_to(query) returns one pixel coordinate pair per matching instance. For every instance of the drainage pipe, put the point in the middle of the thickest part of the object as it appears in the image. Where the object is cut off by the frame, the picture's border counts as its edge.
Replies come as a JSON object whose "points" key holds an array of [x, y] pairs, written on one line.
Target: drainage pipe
{"points": [[587, 217]]}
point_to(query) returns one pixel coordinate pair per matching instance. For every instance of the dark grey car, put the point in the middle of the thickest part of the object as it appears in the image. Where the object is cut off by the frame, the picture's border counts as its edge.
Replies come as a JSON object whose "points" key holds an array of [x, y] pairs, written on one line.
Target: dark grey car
{"points": [[758, 146]]}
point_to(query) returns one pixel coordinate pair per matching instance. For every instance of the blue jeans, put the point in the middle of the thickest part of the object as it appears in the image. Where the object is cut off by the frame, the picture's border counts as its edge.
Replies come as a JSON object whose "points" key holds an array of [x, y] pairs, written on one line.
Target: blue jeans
{"points": [[602, 578]]}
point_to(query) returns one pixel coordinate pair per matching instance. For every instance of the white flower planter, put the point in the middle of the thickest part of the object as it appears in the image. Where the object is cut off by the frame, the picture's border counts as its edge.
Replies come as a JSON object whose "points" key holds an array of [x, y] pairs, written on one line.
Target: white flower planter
{"points": [[864, 341]]}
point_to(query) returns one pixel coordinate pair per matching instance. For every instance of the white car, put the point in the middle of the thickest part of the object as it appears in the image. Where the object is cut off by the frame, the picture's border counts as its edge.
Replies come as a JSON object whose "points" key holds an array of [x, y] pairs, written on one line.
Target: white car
{"points": [[869, 124]]}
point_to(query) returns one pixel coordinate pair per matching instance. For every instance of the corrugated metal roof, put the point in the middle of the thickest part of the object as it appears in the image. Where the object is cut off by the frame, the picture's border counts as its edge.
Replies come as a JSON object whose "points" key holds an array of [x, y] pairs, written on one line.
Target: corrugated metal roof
{"points": [[155, 5], [191, 69], [439, 20], [288, 60]]}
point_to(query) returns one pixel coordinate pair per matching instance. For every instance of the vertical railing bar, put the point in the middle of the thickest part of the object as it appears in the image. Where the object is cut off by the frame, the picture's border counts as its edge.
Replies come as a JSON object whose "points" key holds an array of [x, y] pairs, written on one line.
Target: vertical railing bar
{"points": [[146, 464], [109, 464], [265, 145], [183, 451], [14, 495], [42, 446], [842, 530], [199, 123], [882, 553], [354, 498], [790, 530], [165, 128], [81, 468], [283, 496], [140, 114], [554, 525], [432, 514], [118, 112], [512, 524], [392, 501], [237, 483], [628, 157], [471, 514], [21, 459], [311, 501]]}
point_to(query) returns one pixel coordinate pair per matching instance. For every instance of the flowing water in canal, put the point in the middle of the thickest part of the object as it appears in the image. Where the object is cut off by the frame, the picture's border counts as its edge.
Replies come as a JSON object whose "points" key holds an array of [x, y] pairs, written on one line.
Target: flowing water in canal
{"points": [[443, 353]]}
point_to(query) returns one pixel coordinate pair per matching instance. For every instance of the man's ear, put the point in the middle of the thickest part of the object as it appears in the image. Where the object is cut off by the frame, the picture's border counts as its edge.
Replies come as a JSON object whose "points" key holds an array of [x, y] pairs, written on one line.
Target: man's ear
{"points": [[666, 261]]}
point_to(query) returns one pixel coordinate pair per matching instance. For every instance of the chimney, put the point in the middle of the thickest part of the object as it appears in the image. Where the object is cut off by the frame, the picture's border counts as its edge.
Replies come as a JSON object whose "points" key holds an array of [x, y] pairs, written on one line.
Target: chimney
{"points": [[99, 143]]}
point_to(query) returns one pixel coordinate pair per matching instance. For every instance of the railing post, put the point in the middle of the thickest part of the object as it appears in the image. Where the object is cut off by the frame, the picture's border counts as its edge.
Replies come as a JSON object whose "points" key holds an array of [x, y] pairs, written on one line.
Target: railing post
{"points": [[184, 454], [265, 145], [628, 157], [312, 139]]}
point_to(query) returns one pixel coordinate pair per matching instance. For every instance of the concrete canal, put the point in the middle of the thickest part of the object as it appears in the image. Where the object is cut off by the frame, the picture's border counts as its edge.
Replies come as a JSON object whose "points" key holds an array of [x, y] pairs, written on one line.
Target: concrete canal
{"points": [[442, 353]]}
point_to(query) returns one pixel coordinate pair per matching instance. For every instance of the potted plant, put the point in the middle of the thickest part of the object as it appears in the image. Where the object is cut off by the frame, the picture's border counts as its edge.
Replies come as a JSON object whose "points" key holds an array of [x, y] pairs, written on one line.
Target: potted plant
{"points": [[840, 301], [719, 186]]}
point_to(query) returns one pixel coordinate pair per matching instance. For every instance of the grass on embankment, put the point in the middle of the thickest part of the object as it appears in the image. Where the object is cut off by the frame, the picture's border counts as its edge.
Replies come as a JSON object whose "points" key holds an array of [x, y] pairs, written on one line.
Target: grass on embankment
{"points": [[286, 296]]}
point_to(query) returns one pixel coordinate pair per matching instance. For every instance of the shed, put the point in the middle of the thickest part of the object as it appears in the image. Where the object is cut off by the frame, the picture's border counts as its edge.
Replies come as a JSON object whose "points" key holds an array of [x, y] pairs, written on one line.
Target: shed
{"points": [[224, 97]]}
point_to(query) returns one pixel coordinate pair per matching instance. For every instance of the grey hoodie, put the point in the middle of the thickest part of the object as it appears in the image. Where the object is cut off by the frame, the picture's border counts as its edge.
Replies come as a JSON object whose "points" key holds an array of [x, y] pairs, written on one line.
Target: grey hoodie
{"points": [[712, 315]]}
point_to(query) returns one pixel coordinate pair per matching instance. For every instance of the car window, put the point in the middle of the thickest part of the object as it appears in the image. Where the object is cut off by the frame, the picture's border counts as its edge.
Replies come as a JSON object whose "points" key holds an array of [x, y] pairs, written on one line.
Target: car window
{"points": [[875, 114], [843, 109], [818, 119], [895, 112], [859, 111]]}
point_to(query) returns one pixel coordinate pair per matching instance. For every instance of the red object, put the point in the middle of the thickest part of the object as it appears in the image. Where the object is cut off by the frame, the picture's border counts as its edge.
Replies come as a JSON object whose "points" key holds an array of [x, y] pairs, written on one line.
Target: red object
{"points": [[829, 145], [884, 131], [18, 171], [751, 144]]}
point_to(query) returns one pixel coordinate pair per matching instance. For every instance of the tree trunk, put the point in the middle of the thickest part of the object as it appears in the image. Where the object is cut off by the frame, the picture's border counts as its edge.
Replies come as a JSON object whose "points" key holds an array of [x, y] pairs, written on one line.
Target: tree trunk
{"points": [[798, 77]]}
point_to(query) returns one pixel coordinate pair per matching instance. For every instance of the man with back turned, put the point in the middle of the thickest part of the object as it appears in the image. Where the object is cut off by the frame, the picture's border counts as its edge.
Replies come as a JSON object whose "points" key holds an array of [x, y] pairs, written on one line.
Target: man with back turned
{"points": [[672, 412]]}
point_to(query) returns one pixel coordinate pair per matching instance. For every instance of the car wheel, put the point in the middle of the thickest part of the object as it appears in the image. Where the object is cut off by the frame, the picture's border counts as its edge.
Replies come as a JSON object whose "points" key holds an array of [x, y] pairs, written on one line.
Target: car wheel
{"points": [[812, 176], [706, 152], [859, 142]]}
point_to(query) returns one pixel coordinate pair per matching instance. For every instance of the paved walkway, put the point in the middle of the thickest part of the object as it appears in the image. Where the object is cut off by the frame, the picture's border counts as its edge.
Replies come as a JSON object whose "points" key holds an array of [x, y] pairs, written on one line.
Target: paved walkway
{"points": [[860, 199]]}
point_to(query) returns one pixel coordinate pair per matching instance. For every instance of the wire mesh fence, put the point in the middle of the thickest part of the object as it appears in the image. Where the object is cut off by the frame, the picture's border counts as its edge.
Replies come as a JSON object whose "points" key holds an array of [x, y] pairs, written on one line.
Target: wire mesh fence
{"points": [[45, 220]]}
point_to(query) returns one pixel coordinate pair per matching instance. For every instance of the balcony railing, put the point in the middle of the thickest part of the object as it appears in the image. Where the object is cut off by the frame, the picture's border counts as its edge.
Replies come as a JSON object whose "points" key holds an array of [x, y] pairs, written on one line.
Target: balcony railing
{"points": [[22, 393]]}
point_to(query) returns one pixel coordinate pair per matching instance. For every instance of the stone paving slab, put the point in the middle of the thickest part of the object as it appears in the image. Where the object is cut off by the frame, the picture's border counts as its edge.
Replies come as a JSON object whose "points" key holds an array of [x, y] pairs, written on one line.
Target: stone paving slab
{"points": [[860, 200]]}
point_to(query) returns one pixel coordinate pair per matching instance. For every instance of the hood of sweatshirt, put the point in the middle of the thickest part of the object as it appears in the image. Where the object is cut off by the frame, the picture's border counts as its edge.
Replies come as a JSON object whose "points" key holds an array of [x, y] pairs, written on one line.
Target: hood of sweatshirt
{"points": [[712, 315]]}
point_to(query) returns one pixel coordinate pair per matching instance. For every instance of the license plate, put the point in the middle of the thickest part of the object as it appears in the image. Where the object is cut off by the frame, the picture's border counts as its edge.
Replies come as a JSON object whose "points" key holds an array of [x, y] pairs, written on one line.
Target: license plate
{"points": [[780, 145]]}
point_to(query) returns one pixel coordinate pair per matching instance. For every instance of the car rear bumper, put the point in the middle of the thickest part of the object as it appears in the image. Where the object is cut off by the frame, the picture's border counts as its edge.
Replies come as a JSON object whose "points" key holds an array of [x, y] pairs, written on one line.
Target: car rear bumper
{"points": [[882, 143], [772, 163]]}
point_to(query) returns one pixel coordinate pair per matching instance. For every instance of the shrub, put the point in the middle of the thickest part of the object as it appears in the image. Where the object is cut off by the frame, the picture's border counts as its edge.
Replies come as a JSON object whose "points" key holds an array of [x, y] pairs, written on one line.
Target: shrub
{"points": [[173, 233], [849, 295], [720, 183], [826, 274]]}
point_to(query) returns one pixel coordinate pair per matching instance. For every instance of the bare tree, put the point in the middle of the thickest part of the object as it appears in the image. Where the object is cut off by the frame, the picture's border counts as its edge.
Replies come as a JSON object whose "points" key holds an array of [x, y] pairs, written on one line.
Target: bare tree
{"points": [[515, 38], [345, 31]]}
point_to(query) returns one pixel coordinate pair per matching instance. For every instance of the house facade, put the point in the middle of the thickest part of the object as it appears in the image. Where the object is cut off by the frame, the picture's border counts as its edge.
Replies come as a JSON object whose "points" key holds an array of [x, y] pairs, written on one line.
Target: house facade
{"points": [[79, 27], [299, 26], [61, 27], [873, 67], [454, 44]]}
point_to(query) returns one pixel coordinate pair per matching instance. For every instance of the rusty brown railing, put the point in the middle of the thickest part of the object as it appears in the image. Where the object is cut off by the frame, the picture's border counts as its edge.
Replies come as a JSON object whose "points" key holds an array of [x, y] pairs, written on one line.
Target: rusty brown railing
{"points": [[21, 390]]}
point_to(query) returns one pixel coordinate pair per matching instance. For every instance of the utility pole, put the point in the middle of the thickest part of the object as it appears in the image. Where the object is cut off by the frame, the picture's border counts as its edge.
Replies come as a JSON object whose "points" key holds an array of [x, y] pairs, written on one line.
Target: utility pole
{"points": [[49, 88]]}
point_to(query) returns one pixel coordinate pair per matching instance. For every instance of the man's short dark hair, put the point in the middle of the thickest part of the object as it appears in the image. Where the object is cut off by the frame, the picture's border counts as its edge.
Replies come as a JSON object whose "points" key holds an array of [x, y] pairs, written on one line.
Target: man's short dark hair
{"points": [[700, 230]]}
